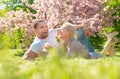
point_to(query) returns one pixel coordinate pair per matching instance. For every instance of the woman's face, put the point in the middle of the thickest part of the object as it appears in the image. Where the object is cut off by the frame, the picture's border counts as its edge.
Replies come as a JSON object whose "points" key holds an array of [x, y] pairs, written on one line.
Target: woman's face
{"points": [[63, 33]]}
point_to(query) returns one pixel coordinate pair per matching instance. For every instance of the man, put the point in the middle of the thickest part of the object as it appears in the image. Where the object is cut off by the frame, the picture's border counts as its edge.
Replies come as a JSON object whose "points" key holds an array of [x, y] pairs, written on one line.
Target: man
{"points": [[43, 36]]}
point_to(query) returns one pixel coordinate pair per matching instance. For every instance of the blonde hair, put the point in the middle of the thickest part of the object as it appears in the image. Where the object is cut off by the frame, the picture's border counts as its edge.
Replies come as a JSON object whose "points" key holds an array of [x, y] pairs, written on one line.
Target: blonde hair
{"points": [[69, 27]]}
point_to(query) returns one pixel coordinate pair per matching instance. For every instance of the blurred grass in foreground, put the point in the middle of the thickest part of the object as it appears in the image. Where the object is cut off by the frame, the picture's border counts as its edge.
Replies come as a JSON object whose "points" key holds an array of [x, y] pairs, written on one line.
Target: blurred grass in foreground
{"points": [[12, 66]]}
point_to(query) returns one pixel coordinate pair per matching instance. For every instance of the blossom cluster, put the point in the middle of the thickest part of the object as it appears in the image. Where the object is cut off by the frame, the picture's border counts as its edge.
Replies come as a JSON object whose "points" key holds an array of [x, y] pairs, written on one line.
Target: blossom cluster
{"points": [[93, 14]]}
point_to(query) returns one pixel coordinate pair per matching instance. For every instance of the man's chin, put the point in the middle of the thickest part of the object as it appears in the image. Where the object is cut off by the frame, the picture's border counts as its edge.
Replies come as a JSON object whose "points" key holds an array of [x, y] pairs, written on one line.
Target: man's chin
{"points": [[45, 36]]}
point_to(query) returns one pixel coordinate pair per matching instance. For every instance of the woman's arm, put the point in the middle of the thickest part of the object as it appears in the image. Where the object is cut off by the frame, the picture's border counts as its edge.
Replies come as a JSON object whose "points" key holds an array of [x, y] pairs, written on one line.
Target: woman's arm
{"points": [[78, 27], [85, 29], [76, 49]]}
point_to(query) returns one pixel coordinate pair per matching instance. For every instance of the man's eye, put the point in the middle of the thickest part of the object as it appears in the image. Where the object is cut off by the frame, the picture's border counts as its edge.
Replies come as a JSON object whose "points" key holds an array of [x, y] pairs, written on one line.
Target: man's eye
{"points": [[42, 27]]}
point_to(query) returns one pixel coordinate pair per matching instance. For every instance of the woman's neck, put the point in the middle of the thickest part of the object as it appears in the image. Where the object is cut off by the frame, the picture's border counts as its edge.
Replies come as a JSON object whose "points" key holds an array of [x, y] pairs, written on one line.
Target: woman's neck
{"points": [[66, 40]]}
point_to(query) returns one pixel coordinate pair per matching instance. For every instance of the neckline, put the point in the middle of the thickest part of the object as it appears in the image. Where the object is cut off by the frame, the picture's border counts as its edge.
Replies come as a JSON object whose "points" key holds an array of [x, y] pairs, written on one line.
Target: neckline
{"points": [[69, 42], [41, 39]]}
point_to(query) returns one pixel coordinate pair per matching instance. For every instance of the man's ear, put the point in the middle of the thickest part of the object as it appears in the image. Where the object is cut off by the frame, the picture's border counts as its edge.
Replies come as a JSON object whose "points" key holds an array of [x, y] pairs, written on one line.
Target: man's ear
{"points": [[35, 30]]}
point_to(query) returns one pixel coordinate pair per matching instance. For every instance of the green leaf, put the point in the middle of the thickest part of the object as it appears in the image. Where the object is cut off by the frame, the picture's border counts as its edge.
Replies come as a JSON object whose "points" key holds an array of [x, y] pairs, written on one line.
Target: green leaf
{"points": [[30, 1]]}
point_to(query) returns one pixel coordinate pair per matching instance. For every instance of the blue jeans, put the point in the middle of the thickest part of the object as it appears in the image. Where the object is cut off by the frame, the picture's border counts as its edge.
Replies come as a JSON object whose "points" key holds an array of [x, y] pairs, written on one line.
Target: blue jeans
{"points": [[86, 43]]}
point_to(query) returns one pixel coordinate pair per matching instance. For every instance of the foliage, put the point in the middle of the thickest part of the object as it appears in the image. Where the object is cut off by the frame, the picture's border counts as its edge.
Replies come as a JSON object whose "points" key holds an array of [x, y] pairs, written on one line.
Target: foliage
{"points": [[17, 5], [113, 11], [93, 14], [14, 67], [3, 12], [115, 4], [98, 42], [113, 8], [13, 39]]}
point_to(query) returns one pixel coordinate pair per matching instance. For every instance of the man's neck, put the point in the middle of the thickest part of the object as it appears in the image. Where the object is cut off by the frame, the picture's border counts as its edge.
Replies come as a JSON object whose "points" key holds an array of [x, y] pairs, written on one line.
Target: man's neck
{"points": [[41, 38]]}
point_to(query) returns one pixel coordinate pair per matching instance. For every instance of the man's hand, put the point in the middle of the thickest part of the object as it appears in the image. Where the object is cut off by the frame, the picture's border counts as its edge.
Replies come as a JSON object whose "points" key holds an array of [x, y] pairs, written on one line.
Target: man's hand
{"points": [[87, 31]]}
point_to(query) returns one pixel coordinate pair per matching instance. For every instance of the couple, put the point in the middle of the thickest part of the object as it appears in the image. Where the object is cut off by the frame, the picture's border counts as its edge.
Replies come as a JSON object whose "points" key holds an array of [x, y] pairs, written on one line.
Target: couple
{"points": [[66, 33]]}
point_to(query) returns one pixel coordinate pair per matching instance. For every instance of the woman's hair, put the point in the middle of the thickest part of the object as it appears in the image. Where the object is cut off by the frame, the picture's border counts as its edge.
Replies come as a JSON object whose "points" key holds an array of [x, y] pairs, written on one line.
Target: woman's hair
{"points": [[69, 27]]}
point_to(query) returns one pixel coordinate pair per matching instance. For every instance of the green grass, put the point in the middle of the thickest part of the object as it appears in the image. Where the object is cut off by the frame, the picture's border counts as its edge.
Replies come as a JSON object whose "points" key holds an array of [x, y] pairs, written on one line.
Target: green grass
{"points": [[12, 66]]}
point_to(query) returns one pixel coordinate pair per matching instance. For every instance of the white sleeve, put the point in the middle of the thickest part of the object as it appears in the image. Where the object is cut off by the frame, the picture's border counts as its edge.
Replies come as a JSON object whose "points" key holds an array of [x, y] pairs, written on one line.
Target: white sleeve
{"points": [[53, 32], [36, 47], [52, 38]]}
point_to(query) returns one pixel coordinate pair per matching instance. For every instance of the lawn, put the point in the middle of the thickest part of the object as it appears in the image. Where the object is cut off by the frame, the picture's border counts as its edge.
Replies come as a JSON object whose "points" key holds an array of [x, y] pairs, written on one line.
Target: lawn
{"points": [[12, 66]]}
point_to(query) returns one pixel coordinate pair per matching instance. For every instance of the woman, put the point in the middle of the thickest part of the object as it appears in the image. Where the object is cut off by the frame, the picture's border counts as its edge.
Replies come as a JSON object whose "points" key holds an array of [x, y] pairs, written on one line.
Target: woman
{"points": [[67, 33]]}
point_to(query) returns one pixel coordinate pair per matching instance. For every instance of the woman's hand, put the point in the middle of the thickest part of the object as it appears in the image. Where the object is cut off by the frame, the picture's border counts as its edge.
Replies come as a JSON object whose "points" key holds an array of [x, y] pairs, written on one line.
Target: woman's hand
{"points": [[47, 46]]}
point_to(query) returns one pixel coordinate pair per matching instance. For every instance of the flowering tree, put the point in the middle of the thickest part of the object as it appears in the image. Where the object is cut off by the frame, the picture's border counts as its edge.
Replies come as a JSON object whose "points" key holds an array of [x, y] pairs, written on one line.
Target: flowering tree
{"points": [[93, 14]]}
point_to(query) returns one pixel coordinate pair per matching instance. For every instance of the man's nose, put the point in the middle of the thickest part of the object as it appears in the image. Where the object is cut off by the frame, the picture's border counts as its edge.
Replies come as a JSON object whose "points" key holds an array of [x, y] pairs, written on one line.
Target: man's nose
{"points": [[45, 28]]}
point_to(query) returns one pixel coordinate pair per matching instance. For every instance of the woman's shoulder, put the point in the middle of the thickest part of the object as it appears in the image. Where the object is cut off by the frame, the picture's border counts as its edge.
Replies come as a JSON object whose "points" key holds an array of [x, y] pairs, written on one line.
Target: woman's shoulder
{"points": [[74, 43]]}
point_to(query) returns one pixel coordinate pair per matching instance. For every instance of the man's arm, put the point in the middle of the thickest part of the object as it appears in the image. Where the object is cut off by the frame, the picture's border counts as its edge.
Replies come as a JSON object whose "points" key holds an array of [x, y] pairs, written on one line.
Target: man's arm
{"points": [[30, 55], [33, 51]]}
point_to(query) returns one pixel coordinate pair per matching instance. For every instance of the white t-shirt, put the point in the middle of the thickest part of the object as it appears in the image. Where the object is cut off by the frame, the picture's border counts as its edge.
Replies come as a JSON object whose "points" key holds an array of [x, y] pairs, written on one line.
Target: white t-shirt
{"points": [[38, 44]]}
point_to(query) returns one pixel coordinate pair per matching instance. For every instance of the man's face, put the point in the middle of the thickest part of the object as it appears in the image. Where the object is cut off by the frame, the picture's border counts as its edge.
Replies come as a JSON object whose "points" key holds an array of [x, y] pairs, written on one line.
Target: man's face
{"points": [[42, 30]]}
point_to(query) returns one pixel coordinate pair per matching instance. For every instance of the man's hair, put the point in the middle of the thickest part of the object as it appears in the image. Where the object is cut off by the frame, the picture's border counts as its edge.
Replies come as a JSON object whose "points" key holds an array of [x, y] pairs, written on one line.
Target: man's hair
{"points": [[37, 22]]}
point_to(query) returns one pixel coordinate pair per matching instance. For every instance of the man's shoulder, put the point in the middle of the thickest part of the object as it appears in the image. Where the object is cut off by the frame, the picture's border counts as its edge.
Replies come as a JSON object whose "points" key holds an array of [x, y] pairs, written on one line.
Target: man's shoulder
{"points": [[36, 47], [36, 44], [37, 40]]}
